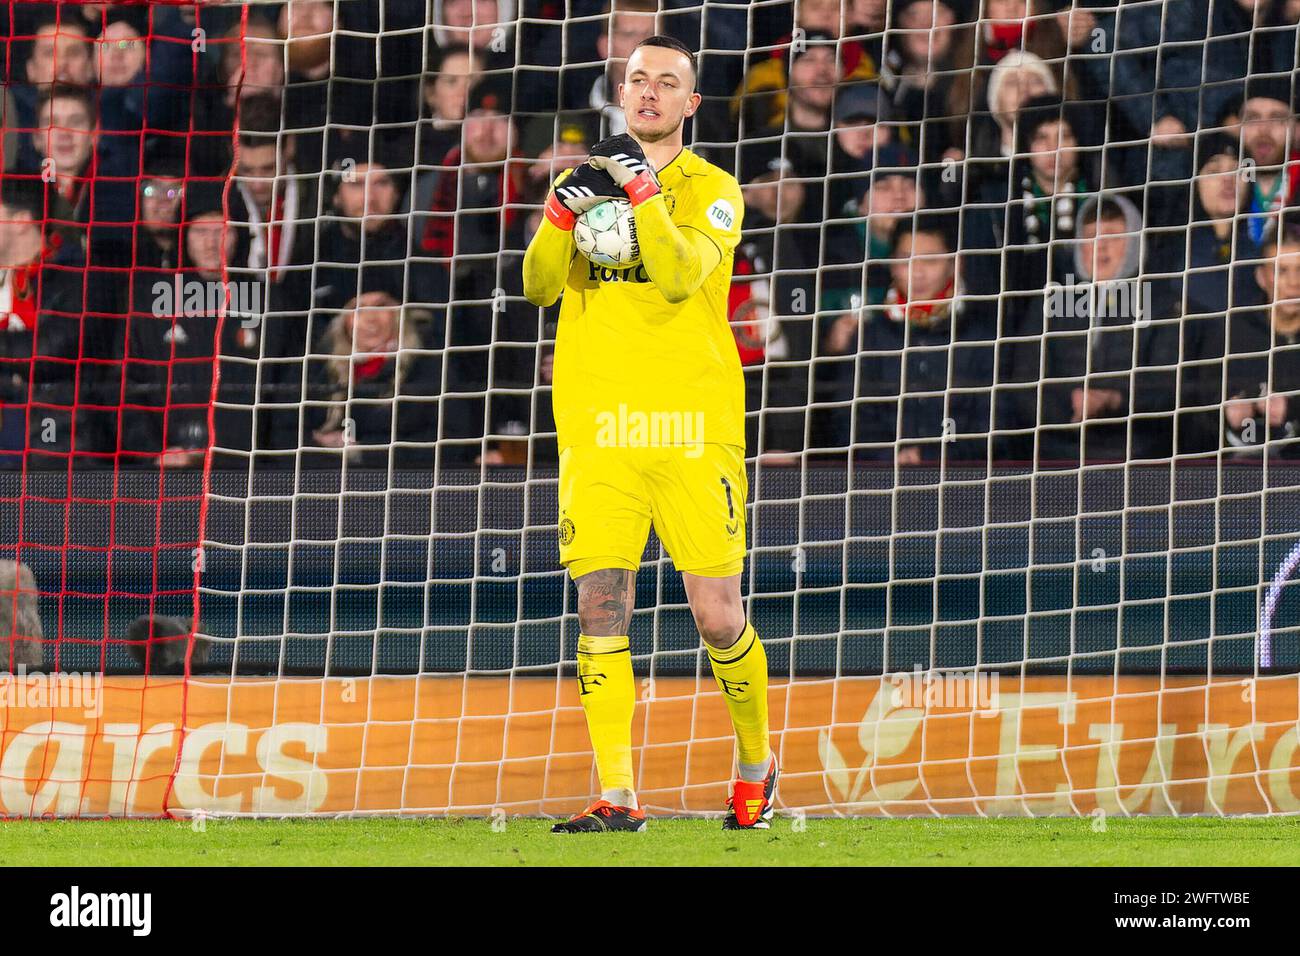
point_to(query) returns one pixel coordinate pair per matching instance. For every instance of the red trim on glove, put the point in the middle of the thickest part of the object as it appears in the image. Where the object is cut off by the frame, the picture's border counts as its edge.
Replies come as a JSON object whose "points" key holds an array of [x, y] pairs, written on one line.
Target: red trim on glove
{"points": [[642, 188], [558, 214]]}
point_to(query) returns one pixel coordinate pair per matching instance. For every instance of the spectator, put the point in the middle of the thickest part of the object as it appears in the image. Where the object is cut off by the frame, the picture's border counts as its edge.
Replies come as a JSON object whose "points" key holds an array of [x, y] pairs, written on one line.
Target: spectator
{"points": [[923, 361], [120, 66], [473, 200], [1035, 226], [1209, 250], [861, 132], [273, 199], [1268, 140], [59, 52], [772, 300], [50, 349], [858, 253], [808, 100], [1093, 367], [364, 244], [1017, 78], [569, 151], [445, 91], [628, 23], [1263, 358], [481, 25], [87, 209], [157, 231], [377, 388], [920, 74], [1247, 38], [761, 100], [250, 63], [171, 337]]}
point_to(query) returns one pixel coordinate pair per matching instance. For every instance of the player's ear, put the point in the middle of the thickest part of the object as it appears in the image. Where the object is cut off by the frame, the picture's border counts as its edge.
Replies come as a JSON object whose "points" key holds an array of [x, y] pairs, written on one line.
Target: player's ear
{"points": [[693, 104]]}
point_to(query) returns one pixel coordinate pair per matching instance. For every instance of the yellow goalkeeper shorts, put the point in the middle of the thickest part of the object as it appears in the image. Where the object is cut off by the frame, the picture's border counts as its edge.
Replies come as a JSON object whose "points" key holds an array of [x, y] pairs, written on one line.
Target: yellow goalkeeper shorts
{"points": [[694, 496]]}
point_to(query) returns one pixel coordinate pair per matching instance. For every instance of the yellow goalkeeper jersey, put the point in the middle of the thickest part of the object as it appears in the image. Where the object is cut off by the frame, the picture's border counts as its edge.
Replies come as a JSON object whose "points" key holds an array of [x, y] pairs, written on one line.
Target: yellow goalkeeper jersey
{"points": [[633, 368]]}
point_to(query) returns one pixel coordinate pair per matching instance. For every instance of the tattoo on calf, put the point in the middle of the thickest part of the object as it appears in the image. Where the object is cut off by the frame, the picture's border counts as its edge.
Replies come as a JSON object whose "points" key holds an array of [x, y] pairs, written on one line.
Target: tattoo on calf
{"points": [[605, 602]]}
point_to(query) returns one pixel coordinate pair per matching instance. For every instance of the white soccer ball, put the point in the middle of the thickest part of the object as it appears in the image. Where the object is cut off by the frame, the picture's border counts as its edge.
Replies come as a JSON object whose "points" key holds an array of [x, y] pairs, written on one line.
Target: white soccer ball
{"points": [[606, 234]]}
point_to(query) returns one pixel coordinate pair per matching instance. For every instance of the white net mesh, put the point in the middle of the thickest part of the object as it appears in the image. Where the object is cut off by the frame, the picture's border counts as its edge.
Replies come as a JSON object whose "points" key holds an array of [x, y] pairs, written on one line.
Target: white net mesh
{"points": [[1014, 299]]}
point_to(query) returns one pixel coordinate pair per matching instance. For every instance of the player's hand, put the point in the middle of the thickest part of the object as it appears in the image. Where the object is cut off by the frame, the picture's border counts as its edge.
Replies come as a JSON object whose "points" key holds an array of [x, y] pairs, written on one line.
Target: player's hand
{"points": [[625, 161], [576, 192]]}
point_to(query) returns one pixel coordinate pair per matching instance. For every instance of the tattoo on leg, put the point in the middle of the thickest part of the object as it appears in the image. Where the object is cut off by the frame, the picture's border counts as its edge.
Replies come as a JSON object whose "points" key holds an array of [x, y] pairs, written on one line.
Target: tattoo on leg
{"points": [[605, 601]]}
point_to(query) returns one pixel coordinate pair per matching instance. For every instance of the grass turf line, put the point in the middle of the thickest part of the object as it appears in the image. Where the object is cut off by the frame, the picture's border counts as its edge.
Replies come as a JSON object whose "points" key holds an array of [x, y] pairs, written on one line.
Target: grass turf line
{"points": [[377, 841]]}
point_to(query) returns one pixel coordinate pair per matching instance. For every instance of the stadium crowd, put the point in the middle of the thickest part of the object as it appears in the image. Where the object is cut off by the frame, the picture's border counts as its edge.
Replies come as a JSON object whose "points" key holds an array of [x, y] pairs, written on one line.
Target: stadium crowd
{"points": [[975, 230]]}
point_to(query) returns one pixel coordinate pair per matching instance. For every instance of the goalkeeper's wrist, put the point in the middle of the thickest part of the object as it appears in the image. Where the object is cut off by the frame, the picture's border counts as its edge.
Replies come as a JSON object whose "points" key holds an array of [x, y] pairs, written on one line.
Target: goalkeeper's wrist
{"points": [[559, 215], [643, 187]]}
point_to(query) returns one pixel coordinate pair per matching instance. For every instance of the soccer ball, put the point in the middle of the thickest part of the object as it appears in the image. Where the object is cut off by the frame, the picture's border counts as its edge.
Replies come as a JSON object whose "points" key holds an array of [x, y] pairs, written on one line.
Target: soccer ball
{"points": [[606, 234]]}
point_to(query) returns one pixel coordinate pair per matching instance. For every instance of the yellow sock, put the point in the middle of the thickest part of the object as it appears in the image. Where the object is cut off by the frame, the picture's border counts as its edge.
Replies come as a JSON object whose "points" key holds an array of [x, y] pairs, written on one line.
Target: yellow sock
{"points": [[741, 673], [608, 694]]}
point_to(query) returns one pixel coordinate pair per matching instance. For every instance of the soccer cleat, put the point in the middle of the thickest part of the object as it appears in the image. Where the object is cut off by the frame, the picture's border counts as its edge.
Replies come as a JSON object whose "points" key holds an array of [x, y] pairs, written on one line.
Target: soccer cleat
{"points": [[750, 805], [602, 816]]}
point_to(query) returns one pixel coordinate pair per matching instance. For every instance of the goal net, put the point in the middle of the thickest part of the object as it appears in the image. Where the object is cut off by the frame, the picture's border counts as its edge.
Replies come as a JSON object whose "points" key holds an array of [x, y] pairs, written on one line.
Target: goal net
{"points": [[1014, 304]]}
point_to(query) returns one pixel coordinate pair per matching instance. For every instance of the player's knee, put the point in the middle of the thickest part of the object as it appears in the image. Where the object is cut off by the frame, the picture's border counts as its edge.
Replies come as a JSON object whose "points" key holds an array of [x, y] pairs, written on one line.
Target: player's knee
{"points": [[720, 626]]}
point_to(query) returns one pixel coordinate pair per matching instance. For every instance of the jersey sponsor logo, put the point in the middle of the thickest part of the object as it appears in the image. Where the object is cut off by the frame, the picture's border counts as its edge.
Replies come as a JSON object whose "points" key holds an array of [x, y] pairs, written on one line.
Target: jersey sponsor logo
{"points": [[567, 531], [721, 214], [635, 273], [732, 529]]}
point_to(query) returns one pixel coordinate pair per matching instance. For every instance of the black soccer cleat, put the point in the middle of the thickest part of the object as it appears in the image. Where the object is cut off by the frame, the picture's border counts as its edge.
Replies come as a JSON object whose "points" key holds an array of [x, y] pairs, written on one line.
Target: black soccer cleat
{"points": [[750, 805], [603, 816]]}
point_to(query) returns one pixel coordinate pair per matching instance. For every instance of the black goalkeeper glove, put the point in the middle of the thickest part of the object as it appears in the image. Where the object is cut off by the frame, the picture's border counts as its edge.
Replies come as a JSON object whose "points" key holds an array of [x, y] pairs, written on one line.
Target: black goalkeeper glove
{"points": [[623, 158], [577, 191]]}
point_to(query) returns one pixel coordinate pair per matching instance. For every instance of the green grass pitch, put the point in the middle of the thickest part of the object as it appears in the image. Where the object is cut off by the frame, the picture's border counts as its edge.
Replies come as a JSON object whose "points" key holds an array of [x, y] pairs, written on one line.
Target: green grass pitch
{"points": [[667, 842]]}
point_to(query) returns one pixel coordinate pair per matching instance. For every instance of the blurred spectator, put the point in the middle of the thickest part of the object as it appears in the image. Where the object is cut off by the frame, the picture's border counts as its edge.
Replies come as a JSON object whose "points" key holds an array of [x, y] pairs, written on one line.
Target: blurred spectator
{"points": [[1017, 78], [1209, 252], [861, 132], [274, 199], [48, 344], [772, 300], [364, 245], [476, 196], [89, 209], [809, 96], [921, 364], [865, 22], [1268, 140], [120, 63], [569, 151], [485, 26], [858, 253], [445, 91], [761, 100], [157, 231], [1093, 366], [1034, 225], [1263, 357], [60, 51], [628, 25], [920, 75], [171, 337], [374, 395]]}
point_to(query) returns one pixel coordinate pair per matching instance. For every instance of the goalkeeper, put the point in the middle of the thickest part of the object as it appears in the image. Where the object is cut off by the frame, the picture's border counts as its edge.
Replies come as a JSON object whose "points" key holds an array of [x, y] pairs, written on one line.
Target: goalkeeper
{"points": [[650, 414]]}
